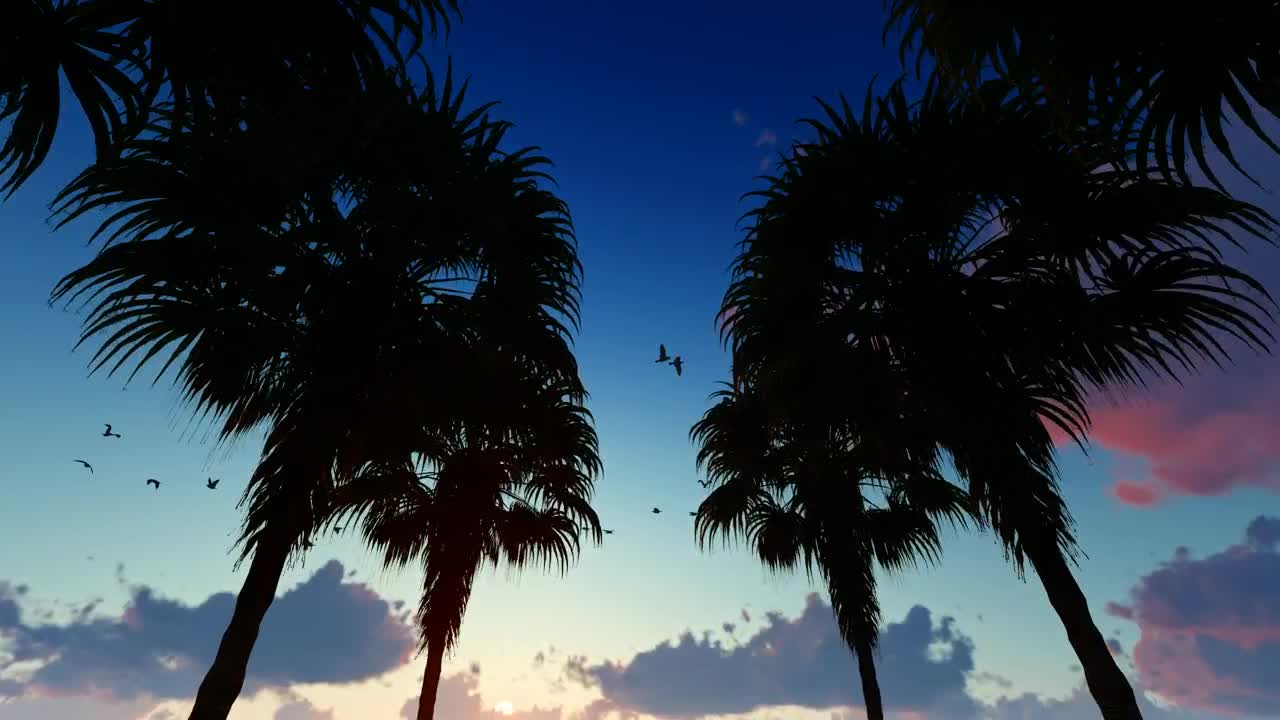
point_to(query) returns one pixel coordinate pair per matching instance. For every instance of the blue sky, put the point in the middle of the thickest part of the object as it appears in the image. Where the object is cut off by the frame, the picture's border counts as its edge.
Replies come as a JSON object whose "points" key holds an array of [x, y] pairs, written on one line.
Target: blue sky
{"points": [[658, 117]]}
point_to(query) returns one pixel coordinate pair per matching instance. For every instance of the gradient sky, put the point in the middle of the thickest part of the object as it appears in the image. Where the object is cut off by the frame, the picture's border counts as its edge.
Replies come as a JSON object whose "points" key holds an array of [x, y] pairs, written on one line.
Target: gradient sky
{"points": [[658, 117]]}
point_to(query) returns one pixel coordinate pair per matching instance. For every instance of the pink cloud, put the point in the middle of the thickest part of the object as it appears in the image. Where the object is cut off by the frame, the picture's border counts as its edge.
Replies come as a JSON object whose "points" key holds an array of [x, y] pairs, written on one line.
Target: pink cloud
{"points": [[1123, 612], [1217, 433], [1137, 494], [1210, 628]]}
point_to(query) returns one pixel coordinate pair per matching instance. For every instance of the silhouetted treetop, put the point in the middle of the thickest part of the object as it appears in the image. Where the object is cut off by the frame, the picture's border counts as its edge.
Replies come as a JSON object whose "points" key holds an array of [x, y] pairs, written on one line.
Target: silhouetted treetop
{"points": [[122, 58], [1159, 76]]}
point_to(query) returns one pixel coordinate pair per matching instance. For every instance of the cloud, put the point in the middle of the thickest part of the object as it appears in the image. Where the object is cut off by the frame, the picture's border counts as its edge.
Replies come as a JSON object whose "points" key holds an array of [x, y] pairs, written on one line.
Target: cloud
{"points": [[299, 709], [1263, 533], [1136, 494], [160, 648], [1210, 628], [458, 698], [1216, 434], [767, 138], [739, 118], [803, 662], [1079, 705], [1124, 612], [76, 707]]}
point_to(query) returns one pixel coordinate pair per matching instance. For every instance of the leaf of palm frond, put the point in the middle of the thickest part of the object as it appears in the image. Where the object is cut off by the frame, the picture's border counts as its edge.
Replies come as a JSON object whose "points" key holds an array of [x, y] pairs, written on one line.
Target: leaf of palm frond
{"points": [[545, 537], [1132, 71], [75, 40], [781, 537], [726, 512], [901, 537], [1171, 304]]}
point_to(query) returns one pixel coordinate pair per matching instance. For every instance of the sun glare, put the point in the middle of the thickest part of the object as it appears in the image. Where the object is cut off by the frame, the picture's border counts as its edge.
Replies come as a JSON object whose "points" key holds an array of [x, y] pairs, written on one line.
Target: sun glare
{"points": [[504, 708]]}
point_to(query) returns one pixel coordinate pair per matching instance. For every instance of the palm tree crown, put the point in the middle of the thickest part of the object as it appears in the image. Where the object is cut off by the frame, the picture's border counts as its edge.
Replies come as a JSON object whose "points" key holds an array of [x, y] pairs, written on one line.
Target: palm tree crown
{"points": [[989, 279], [282, 268]]}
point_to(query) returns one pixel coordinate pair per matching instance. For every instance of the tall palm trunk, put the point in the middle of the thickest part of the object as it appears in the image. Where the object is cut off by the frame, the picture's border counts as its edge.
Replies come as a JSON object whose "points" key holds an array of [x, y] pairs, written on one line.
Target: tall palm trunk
{"points": [[1107, 684], [222, 684], [870, 686], [431, 679]]}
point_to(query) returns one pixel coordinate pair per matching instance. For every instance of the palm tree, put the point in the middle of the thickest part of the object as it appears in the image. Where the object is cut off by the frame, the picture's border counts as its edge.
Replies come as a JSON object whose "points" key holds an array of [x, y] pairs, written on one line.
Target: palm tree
{"points": [[797, 493], [508, 481], [278, 268], [123, 57], [991, 279], [1157, 74]]}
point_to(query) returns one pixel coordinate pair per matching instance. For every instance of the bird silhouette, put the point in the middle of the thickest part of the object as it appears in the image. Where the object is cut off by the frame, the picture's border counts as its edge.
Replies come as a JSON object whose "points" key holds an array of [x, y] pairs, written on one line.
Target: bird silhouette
{"points": [[153, 481], [86, 465], [212, 484], [307, 544], [337, 529], [704, 483], [108, 433], [693, 514], [656, 511], [662, 354], [608, 532], [679, 365]]}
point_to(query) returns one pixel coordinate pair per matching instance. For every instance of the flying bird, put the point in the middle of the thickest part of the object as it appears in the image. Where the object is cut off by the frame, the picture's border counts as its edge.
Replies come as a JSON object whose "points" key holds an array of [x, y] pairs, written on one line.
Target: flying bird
{"points": [[705, 483], [212, 484], [108, 433], [608, 532], [337, 529], [679, 365], [662, 354], [153, 481], [87, 465], [693, 514], [656, 511]]}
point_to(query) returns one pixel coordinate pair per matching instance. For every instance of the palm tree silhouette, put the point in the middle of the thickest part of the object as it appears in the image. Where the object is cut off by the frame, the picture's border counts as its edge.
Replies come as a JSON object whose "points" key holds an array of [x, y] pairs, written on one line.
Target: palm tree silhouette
{"points": [[1124, 66], [509, 480], [797, 492], [207, 59], [995, 279], [280, 267]]}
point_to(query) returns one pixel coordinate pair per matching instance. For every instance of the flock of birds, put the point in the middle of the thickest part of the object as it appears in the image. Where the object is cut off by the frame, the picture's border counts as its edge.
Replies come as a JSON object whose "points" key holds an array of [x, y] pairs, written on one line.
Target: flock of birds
{"points": [[677, 362], [209, 483]]}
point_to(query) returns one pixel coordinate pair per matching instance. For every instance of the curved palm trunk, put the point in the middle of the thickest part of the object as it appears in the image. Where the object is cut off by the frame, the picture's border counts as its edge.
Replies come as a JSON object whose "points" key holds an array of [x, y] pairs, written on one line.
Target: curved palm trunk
{"points": [[870, 686], [1107, 684], [221, 685], [431, 680]]}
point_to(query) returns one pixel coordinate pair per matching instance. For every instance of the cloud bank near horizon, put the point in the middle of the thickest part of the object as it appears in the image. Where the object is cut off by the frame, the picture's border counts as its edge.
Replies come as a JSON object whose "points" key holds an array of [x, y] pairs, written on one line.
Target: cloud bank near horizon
{"points": [[160, 648]]}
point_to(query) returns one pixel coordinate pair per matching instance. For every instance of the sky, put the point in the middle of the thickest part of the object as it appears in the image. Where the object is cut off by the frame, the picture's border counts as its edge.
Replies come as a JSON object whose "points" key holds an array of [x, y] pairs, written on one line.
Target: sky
{"points": [[658, 116]]}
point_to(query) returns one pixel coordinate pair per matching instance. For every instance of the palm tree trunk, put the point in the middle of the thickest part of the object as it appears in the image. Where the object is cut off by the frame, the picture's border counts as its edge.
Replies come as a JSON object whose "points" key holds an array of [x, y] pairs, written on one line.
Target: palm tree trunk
{"points": [[870, 686], [222, 684], [1107, 684], [431, 679]]}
